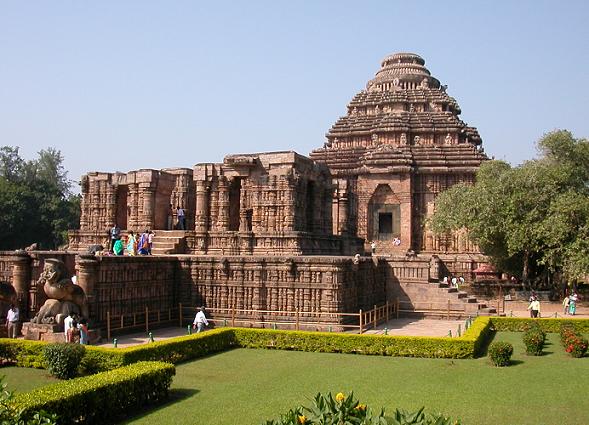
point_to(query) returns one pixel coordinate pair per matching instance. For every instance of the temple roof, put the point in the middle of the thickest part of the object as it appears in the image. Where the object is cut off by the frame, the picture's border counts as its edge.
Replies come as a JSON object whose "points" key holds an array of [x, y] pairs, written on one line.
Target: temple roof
{"points": [[401, 68]]}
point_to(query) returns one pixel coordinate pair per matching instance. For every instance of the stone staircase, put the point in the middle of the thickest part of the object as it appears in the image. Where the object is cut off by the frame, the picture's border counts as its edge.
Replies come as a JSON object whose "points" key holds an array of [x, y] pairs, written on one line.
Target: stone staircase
{"points": [[166, 242], [436, 299]]}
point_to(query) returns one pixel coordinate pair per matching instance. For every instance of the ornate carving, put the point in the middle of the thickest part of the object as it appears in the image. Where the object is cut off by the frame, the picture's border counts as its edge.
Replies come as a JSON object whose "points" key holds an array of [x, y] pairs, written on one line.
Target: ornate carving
{"points": [[63, 296]]}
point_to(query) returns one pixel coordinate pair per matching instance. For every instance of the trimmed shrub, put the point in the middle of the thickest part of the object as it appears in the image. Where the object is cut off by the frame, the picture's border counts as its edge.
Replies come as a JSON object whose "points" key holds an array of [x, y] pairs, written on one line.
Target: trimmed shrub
{"points": [[100, 398], [500, 353], [329, 410], [62, 360], [516, 324], [573, 341], [23, 353], [534, 339]]}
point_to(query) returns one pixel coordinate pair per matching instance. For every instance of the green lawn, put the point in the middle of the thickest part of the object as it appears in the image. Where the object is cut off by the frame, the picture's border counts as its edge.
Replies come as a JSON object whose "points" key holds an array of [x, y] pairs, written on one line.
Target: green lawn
{"points": [[21, 379], [248, 386]]}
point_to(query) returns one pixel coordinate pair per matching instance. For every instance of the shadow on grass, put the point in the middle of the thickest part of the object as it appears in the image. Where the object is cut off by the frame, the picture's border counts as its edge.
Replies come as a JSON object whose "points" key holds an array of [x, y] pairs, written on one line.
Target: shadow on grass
{"points": [[176, 395]]}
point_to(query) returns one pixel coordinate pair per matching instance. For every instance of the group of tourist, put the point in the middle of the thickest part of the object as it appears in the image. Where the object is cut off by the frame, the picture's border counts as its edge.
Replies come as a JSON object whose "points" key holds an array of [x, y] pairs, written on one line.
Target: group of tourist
{"points": [[133, 244], [453, 281], [570, 303], [75, 329]]}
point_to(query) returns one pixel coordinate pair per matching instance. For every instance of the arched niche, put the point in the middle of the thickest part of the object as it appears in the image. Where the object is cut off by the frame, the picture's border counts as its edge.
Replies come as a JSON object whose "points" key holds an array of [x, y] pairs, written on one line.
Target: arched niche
{"points": [[384, 214]]}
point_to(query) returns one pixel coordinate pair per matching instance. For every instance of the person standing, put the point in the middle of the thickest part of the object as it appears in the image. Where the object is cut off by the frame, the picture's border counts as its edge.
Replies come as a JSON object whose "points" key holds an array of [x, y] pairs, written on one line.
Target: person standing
{"points": [[67, 324], [534, 308], [12, 321], [115, 235], [200, 320], [170, 222], [150, 236], [131, 244], [181, 218], [83, 328], [373, 247]]}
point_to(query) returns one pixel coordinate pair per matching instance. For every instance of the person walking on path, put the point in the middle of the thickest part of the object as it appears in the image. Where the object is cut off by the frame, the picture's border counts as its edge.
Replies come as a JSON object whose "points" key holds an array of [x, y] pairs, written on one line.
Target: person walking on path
{"points": [[12, 321], [534, 308], [573, 303], [67, 324], [565, 305], [200, 320]]}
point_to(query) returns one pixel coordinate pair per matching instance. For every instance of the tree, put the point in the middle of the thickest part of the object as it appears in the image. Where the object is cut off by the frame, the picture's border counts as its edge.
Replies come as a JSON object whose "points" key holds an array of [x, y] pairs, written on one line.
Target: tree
{"points": [[531, 220], [36, 203]]}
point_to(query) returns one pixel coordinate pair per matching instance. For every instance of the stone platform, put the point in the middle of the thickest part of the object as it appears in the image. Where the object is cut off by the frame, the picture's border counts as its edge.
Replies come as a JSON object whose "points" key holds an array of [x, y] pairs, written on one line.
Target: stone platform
{"points": [[43, 332]]}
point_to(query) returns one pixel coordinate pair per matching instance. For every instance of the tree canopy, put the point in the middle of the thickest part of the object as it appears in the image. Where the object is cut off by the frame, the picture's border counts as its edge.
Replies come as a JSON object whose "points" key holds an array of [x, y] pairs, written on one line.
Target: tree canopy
{"points": [[531, 220], [36, 202]]}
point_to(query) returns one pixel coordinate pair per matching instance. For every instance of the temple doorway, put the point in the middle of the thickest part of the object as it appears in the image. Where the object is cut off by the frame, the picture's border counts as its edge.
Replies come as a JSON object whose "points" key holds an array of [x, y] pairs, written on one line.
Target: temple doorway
{"points": [[234, 203], [384, 215], [121, 203]]}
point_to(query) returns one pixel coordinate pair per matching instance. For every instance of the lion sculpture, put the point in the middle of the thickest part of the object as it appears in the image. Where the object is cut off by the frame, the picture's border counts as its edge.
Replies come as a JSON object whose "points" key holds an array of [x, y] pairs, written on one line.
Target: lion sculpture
{"points": [[64, 297]]}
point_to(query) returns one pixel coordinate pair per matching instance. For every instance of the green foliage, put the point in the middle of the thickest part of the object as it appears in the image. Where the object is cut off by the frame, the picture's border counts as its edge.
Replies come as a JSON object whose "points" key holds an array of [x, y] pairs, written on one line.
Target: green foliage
{"points": [[100, 398], [23, 353], [11, 415], [574, 343], [36, 205], [534, 338], [516, 324], [62, 360], [500, 353], [327, 410], [532, 220]]}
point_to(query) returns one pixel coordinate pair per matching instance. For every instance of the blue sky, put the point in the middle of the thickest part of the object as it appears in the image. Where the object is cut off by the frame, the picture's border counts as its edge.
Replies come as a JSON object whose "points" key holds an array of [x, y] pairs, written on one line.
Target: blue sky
{"points": [[122, 85]]}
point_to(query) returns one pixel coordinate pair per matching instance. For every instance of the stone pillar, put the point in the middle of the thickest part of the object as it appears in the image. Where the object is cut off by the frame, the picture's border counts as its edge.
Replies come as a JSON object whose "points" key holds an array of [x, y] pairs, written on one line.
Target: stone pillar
{"points": [[87, 266], [148, 213], [21, 281], [223, 219], [243, 209], [200, 217]]}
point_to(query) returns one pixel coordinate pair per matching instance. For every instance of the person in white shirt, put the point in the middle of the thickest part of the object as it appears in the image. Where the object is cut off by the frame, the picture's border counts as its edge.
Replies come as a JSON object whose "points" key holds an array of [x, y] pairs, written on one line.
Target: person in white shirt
{"points": [[67, 324], [12, 321], [200, 320]]}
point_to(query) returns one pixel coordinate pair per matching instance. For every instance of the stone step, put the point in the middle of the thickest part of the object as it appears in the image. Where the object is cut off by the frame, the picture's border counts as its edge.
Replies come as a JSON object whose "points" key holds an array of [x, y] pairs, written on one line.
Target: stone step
{"points": [[451, 290], [462, 294], [471, 300]]}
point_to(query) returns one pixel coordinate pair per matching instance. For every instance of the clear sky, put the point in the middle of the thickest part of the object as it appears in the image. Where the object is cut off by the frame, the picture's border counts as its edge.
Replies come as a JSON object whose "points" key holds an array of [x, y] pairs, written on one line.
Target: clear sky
{"points": [[122, 85]]}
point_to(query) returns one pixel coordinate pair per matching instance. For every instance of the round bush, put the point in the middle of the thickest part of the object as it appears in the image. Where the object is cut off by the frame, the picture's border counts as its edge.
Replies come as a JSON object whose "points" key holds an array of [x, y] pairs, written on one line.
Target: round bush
{"points": [[62, 360], [534, 341], [500, 353]]}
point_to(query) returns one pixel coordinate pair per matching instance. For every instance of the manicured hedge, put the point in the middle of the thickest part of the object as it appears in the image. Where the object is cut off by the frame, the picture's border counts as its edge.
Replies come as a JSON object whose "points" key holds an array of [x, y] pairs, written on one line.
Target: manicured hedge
{"points": [[403, 346], [100, 359], [101, 398], [518, 324]]}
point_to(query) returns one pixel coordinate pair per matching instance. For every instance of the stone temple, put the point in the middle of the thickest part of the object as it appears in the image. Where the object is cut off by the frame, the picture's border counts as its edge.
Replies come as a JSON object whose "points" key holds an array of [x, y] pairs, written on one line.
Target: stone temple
{"points": [[273, 233]]}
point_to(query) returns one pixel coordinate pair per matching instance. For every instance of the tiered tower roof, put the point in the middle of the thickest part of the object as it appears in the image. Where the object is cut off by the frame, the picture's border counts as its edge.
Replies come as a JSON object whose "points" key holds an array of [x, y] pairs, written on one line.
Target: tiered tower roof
{"points": [[406, 115]]}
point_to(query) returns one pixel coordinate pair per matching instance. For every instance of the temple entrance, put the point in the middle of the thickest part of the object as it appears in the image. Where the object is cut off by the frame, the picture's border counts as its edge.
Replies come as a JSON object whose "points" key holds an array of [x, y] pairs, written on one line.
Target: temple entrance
{"points": [[384, 215], [121, 203], [234, 203]]}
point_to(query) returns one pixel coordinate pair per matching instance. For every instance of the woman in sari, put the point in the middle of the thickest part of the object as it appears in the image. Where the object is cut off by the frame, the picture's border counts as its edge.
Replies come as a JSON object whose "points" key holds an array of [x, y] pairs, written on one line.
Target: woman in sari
{"points": [[131, 244]]}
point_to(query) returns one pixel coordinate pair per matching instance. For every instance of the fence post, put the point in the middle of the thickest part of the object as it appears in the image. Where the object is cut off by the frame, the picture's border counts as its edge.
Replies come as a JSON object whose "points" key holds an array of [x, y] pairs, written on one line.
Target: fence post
{"points": [[108, 325], [180, 314], [448, 311], [146, 319], [397, 306], [297, 326], [360, 321], [374, 318]]}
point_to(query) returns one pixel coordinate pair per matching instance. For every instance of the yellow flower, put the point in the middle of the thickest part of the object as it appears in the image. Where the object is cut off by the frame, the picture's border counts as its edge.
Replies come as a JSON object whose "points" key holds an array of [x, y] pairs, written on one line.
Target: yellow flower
{"points": [[301, 419], [361, 407], [340, 397]]}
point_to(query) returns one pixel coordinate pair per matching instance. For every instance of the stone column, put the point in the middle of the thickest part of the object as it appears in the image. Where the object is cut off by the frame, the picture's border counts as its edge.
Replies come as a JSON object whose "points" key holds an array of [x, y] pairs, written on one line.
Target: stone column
{"points": [[200, 217], [21, 281], [243, 209], [148, 213], [223, 219], [342, 206], [87, 266]]}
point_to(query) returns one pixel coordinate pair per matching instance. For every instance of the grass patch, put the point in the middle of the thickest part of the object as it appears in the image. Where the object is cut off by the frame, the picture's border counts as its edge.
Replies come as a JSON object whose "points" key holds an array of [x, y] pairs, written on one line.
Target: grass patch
{"points": [[249, 386], [22, 379]]}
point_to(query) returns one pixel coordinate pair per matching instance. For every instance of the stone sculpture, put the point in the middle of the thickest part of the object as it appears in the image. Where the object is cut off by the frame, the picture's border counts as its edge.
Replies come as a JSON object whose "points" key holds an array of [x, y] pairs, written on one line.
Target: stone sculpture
{"points": [[64, 297]]}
